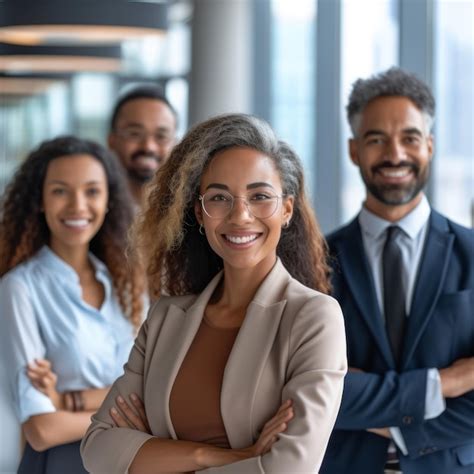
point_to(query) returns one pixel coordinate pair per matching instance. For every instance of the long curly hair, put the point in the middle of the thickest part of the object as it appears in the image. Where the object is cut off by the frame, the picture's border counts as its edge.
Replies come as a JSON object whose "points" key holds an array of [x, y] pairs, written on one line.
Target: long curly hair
{"points": [[23, 228], [179, 260]]}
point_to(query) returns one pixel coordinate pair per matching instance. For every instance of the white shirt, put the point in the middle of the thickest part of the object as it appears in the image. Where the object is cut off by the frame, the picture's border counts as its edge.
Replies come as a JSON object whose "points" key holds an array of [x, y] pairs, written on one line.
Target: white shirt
{"points": [[411, 242]]}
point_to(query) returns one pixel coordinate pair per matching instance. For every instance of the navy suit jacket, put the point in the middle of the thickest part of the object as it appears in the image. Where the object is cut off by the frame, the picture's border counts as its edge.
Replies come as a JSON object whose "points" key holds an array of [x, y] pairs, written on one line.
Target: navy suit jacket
{"points": [[439, 330]]}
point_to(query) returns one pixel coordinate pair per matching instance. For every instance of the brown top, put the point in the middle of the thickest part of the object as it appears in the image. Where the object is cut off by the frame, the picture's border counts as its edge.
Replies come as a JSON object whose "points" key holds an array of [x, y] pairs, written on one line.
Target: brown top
{"points": [[195, 406]]}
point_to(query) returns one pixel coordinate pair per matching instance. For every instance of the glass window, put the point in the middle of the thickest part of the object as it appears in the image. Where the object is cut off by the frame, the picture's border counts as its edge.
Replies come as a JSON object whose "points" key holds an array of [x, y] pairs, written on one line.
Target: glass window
{"points": [[293, 76], [369, 45], [454, 143]]}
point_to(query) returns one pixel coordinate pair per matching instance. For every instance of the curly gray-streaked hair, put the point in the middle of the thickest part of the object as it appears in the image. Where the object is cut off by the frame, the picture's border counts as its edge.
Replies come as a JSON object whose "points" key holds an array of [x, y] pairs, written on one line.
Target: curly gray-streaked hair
{"points": [[179, 259], [393, 82]]}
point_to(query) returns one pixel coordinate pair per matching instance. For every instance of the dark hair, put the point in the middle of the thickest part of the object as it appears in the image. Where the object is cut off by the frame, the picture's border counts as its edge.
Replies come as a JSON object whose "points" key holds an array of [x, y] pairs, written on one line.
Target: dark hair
{"points": [[23, 227], [393, 82], [179, 259], [142, 91]]}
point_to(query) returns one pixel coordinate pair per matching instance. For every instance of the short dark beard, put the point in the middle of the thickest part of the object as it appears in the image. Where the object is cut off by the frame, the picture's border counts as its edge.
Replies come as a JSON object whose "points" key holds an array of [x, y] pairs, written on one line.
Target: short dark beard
{"points": [[137, 176], [395, 194]]}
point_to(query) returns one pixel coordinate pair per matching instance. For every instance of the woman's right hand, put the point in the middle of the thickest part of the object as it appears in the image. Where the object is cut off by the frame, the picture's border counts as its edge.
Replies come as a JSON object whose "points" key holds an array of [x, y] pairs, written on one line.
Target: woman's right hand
{"points": [[43, 378], [272, 428], [128, 417]]}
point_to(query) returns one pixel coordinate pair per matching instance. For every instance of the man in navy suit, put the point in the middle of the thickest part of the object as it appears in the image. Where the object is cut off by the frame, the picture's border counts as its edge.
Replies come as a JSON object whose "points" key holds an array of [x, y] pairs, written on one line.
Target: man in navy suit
{"points": [[404, 276]]}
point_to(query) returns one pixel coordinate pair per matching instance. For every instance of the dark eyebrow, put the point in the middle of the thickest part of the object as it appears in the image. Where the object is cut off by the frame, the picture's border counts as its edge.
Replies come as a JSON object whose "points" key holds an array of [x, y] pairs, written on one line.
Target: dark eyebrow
{"points": [[218, 186], [369, 133], [259, 185], [412, 131], [58, 181], [249, 186], [141, 127]]}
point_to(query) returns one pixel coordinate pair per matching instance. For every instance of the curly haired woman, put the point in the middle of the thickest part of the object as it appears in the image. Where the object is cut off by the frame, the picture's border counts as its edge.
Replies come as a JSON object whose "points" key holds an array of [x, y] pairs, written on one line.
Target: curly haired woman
{"points": [[240, 367], [69, 304]]}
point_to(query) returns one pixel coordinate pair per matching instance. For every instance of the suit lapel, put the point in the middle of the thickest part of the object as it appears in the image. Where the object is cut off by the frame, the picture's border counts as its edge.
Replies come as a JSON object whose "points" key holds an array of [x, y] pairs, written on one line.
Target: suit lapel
{"points": [[178, 331], [432, 273], [349, 250], [249, 355]]}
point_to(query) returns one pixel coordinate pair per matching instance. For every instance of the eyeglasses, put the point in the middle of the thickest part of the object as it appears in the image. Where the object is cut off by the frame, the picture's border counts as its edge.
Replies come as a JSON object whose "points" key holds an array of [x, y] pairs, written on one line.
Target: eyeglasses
{"points": [[138, 135], [218, 204]]}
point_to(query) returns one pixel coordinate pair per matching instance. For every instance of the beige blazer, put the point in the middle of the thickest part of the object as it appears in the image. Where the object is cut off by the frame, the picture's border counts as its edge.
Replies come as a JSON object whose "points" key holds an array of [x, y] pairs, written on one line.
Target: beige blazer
{"points": [[291, 345]]}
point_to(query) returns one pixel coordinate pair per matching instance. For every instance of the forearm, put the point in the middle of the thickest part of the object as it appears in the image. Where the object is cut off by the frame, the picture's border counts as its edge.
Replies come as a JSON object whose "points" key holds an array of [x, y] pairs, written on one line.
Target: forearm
{"points": [[380, 400], [159, 456], [93, 398], [53, 429], [454, 427]]}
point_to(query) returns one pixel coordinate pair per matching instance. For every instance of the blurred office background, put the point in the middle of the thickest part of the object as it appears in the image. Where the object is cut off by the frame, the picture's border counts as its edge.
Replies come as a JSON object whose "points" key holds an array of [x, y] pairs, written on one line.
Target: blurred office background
{"points": [[291, 62]]}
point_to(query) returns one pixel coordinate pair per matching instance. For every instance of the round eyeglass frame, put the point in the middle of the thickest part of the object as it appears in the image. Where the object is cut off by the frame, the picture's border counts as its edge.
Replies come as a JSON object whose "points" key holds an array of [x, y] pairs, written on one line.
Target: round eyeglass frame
{"points": [[247, 204]]}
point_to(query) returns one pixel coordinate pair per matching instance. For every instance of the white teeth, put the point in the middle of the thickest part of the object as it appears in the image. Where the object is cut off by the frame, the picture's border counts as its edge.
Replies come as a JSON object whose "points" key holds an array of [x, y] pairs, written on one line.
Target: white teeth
{"points": [[241, 239], [395, 173], [76, 222]]}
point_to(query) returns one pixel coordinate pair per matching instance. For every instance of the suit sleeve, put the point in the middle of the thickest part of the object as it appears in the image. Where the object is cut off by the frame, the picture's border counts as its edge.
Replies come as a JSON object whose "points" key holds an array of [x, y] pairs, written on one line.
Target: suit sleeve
{"points": [[106, 448], [377, 401], [454, 427], [315, 373]]}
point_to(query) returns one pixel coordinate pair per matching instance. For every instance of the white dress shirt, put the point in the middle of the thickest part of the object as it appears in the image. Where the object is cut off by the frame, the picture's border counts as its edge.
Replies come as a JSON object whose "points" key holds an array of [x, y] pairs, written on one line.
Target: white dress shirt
{"points": [[411, 242]]}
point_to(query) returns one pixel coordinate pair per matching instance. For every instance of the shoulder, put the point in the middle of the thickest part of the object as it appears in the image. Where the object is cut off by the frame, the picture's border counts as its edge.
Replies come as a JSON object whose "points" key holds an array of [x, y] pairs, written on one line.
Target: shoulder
{"points": [[18, 277], [344, 232], [160, 307], [464, 236], [306, 303], [315, 328]]}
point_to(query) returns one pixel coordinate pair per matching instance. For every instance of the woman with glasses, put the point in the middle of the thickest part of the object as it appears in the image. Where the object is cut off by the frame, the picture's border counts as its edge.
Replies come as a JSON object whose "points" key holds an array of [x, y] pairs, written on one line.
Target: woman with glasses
{"points": [[69, 303], [240, 366]]}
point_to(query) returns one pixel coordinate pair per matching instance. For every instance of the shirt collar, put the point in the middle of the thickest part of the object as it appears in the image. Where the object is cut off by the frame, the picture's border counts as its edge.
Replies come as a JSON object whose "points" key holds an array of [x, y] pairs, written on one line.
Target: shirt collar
{"points": [[411, 224], [52, 261]]}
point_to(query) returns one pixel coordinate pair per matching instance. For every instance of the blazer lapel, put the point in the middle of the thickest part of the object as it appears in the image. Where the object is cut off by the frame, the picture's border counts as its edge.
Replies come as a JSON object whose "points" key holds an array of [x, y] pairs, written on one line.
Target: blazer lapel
{"points": [[176, 335], [249, 355], [350, 252], [432, 273]]}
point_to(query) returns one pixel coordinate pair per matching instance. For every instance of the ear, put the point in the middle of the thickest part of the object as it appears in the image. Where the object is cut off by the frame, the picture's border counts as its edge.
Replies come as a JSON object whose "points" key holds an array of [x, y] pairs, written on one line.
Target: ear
{"points": [[111, 140], [287, 208], [198, 212], [353, 152], [431, 146]]}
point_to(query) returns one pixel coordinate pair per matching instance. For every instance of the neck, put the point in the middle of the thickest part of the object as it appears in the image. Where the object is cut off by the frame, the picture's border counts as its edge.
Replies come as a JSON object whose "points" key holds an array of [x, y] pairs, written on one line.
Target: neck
{"points": [[240, 285], [391, 213], [136, 189], [77, 257]]}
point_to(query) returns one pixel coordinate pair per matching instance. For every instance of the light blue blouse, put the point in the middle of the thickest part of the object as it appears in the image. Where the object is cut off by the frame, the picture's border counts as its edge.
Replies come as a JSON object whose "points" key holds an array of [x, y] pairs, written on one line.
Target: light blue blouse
{"points": [[43, 315]]}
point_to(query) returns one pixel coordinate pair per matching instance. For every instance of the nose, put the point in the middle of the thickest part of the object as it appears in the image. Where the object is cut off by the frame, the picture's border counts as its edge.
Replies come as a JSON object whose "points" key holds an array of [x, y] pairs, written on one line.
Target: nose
{"points": [[395, 152], [149, 142], [78, 201], [240, 211]]}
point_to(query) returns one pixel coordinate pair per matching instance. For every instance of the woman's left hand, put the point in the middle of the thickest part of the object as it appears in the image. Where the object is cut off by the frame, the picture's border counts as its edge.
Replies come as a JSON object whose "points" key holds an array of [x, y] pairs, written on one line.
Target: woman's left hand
{"points": [[44, 379], [128, 417]]}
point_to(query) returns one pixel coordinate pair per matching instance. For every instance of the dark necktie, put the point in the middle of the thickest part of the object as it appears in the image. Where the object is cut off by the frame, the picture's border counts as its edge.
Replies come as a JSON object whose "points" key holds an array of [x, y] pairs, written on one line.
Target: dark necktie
{"points": [[393, 291]]}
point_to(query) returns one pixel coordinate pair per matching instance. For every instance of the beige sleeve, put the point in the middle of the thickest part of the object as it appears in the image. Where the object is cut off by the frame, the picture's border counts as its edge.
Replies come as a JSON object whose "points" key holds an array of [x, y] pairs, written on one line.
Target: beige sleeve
{"points": [[105, 448], [316, 371]]}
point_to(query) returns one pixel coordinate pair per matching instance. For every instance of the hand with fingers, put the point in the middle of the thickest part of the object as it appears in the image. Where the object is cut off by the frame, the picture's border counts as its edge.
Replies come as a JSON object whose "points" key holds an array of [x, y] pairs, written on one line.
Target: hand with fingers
{"points": [[44, 379], [272, 428], [130, 414]]}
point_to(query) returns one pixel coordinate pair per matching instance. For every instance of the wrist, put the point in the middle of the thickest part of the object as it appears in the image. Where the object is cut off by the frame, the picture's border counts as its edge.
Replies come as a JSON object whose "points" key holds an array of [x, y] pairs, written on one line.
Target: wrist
{"points": [[447, 387], [58, 401], [211, 456]]}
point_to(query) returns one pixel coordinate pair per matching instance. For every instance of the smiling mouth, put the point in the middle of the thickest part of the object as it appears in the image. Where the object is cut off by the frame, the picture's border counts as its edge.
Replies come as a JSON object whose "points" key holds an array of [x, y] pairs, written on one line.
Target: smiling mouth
{"points": [[241, 239], [395, 172], [77, 223]]}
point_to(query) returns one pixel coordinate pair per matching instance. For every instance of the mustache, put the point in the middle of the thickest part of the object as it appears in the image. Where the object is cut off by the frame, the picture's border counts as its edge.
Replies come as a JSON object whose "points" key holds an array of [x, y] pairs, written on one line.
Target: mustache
{"points": [[146, 154], [402, 164]]}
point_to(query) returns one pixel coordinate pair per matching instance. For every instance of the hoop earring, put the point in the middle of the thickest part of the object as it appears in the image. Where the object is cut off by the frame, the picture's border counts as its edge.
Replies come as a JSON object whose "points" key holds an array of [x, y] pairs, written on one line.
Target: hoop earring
{"points": [[201, 230]]}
